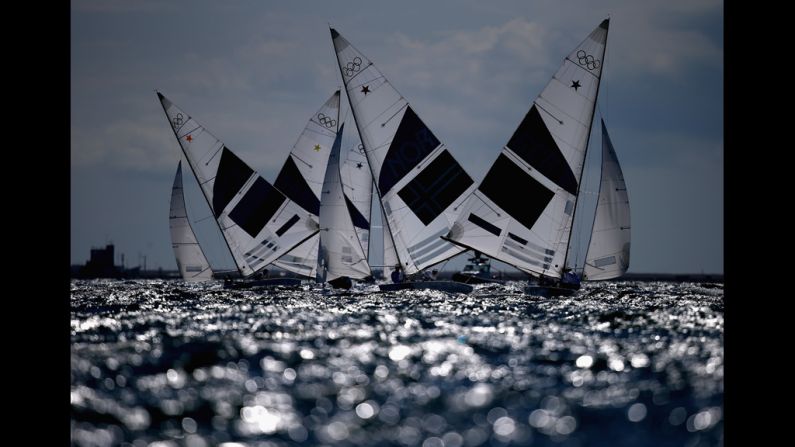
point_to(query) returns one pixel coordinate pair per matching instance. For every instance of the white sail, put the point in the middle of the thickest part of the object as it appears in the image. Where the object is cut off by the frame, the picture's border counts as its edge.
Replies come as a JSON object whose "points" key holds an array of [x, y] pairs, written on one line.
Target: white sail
{"points": [[523, 209], [191, 262], [390, 257], [608, 251], [259, 223], [301, 179], [341, 254], [420, 185], [357, 183]]}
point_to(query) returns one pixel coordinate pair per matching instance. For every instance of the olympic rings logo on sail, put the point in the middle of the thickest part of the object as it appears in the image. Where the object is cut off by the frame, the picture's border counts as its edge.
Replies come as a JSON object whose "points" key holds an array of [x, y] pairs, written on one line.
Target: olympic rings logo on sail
{"points": [[587, 61], [326, 121], [178, 120], [352, 67]]}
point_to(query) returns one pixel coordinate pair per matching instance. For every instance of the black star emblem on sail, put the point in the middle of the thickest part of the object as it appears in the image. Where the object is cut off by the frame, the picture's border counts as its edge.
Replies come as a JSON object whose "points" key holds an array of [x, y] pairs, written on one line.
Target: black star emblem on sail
{"points": [[575, 85], [365, 90], [359, 165]]}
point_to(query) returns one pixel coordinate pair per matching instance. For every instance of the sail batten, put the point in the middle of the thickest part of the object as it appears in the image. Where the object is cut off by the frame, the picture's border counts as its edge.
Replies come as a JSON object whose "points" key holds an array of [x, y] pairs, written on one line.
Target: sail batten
{"points": [[417, 179], [530, 191], [249, 211]]}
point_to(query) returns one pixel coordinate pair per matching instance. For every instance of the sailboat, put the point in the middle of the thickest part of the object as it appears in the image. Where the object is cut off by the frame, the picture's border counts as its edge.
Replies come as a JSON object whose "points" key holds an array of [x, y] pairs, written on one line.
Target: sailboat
{"points": [[301, 179], [259, 224], [419, 183], [543, 163], [191, 262], [342, 256]]}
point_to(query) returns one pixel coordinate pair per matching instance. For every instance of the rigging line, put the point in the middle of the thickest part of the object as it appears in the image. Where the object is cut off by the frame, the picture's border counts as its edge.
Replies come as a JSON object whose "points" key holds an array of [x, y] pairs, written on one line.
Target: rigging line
{"points": [[203, 219], [607, 90]]}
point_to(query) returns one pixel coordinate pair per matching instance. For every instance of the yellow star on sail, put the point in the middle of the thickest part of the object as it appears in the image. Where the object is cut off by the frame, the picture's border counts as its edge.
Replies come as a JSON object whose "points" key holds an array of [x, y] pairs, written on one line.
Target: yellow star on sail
{"points": [[317, 148]]}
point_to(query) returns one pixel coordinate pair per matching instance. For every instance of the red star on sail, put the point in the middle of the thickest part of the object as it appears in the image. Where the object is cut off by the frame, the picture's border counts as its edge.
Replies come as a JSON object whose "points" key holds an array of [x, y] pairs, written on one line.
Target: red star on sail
{"points": [[189, 138]]}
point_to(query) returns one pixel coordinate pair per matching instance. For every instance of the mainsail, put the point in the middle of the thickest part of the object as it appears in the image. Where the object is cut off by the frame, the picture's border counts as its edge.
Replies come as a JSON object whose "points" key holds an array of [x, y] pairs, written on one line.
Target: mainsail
{"points": [[341, 254], [259, 223], [301, 179], [608, 251], [522, 211], [191, 262], [420, 185]]}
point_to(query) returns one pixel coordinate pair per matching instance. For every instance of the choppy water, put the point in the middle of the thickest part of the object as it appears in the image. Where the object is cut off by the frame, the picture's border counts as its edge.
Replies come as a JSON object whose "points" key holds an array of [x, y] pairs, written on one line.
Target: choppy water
{"points": [[164, 363]]}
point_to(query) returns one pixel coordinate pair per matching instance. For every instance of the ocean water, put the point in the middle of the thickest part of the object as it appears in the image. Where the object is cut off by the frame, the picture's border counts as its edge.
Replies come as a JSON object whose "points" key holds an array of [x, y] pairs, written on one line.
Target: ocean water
{"points": [[165, 363]]}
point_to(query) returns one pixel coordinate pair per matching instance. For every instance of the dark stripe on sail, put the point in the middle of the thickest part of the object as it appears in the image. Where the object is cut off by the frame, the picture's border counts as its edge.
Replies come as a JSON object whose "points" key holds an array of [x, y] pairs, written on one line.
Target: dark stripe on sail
{"points": [[477, 220], [517, 239], [513, 190], [287, 225], [356, 217], [292, 184], [231, 176], [435, 188], [533, 142], [258, 205], [413, 141]]}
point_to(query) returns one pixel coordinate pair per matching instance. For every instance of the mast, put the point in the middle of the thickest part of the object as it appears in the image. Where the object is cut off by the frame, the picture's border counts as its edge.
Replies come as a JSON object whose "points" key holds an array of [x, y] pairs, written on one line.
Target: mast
{"points": [[585, 156], [228, 247], [385, 224]]}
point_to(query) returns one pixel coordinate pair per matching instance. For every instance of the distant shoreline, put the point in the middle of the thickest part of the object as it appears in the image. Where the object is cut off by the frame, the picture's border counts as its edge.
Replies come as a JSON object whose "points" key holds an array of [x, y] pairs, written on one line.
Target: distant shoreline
{"points": [[445, 274]]}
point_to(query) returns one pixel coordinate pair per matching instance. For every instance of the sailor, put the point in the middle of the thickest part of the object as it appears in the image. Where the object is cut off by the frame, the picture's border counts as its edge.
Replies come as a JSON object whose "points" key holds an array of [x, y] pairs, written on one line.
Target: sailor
{"points": [[397, 274]]}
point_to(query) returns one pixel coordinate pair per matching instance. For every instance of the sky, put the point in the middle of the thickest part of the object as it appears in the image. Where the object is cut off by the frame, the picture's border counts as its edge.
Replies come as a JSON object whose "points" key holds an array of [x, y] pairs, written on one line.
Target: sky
{"points": [[253, 72]]}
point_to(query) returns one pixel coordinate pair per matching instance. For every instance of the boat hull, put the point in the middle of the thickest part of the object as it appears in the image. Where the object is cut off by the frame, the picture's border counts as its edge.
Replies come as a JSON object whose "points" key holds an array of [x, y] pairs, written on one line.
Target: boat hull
{"points": [[474, 279], [444, 286], [549, 291], [343, 282], [269, 282]]}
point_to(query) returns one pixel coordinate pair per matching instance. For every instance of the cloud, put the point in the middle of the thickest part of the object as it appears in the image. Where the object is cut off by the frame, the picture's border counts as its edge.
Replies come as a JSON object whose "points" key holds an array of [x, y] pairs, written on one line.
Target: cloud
{"points": [[121, 6], [125, 144]]}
